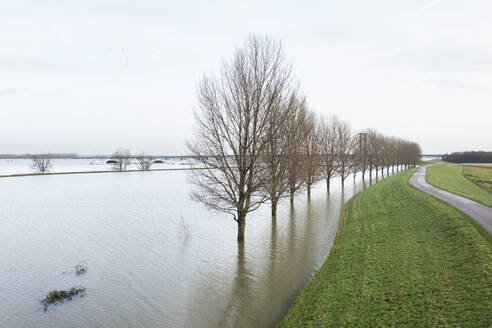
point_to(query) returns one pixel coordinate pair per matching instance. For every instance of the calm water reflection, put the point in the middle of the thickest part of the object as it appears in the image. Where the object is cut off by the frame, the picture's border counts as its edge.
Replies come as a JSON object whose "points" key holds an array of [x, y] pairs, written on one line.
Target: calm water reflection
{"points": [[144, 269]]}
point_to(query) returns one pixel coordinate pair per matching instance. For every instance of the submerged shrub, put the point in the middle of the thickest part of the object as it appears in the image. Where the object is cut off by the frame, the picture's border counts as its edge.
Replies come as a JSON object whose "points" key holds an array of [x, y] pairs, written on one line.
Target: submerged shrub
{"points": [[59, 296], [81, 268]]}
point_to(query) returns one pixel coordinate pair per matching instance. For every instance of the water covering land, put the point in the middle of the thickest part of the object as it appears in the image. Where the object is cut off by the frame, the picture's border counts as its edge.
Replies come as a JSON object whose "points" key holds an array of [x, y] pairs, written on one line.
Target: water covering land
{"points": [[448, 177], [156, 258], [58, 165], [400, 258]]}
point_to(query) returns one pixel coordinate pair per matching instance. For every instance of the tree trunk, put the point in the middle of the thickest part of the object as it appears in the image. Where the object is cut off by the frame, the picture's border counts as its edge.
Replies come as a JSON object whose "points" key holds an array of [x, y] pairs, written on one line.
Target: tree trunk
{"points": [[328, 184], [292, 191], [274, 207], [309, 191], [241, 224]]}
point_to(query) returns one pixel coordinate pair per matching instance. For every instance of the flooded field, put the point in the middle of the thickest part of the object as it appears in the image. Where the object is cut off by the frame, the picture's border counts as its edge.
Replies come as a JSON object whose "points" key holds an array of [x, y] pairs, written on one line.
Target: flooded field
{"points": [[155, 258]]}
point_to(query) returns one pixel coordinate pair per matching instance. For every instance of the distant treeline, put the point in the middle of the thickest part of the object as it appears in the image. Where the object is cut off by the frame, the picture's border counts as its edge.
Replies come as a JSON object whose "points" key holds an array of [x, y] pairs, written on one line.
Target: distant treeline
{"points": [[76, 156], [30, 156], [469, 157]]}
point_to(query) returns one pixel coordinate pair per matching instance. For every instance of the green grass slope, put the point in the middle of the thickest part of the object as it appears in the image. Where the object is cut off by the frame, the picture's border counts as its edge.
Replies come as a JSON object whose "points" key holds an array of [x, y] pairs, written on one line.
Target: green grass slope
{"points": [[448, 177], [401, 258]]}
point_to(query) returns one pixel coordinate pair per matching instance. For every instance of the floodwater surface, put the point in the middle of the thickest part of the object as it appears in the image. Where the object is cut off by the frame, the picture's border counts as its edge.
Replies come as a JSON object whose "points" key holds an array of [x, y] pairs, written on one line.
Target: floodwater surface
{"points": [[155, 258]]}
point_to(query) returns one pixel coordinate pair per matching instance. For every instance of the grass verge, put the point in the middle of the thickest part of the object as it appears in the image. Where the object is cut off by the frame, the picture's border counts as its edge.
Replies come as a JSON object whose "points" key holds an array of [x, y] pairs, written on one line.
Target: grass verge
{"points": [[448, 177], [401, 258]]}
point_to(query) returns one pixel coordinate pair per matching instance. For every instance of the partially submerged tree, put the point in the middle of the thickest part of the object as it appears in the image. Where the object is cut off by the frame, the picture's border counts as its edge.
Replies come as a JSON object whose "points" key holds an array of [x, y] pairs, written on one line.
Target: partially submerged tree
{"points": [[360, 154], [274, 158], [311, 152], [231, 124], [295, 149], [144, 162], [41, 162], [344, 149], [328, 148], [121, 159]]}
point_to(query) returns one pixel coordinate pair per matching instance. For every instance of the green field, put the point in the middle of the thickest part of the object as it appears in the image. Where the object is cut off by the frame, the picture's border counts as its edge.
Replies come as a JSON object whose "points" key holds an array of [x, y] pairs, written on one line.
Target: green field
{"points": [[448, 177], [480, 175], [401, 258]]}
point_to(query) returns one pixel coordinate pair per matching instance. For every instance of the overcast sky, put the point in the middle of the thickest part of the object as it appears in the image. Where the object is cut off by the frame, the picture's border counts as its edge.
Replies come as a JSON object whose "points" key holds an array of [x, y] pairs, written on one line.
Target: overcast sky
{"points": [[91, 76]]}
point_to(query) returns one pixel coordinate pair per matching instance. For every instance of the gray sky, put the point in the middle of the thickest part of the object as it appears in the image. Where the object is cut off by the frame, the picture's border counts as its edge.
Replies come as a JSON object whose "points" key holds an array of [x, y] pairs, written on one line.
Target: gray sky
{"points": [[91, 76]]}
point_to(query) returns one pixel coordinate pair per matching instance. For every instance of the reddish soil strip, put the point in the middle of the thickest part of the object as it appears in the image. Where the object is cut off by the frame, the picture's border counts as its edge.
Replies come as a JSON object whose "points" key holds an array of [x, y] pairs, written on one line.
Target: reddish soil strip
{"points": [[484, 165]]}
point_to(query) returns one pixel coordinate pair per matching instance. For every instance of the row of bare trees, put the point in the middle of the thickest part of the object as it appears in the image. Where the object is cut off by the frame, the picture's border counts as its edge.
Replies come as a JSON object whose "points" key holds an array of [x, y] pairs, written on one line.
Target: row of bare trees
{"points": [[119, 160], [258, 142], [122, 158]]}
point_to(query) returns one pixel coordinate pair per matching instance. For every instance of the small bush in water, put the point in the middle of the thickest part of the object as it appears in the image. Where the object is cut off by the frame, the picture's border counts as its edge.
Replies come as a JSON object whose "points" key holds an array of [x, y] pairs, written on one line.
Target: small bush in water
{"points": [[81, 268], [59, 296]]}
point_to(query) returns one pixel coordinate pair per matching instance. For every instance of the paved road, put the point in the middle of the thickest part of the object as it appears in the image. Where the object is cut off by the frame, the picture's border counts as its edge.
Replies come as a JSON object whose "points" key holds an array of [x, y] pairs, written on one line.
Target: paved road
{"points": [[480, 213]]}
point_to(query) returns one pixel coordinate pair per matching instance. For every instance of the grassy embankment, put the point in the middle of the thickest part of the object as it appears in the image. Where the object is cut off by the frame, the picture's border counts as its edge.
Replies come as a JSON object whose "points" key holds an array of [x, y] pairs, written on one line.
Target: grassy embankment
{"points": [[401, 258], [482, 176], [448, 177]]}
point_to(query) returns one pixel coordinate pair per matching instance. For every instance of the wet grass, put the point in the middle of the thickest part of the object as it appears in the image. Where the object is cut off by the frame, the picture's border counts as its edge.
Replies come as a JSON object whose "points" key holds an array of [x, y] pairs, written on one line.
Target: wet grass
{"points": [[448, 177], [401, 258], [482, 176]]}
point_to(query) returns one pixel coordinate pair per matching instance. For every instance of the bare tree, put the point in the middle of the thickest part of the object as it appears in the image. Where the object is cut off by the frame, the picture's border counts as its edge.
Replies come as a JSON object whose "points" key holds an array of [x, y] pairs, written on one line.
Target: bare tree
{"points": [[360, 154], [121, 159], [231, 124], [328, 148], [344, 156], [312, 160], [144, 162], [274, 174], [295, 126], [372, 150], [41, 162]]}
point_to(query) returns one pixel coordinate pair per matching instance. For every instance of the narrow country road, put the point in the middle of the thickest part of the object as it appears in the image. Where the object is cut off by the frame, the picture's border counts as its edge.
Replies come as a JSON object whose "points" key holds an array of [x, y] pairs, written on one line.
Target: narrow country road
{"points": [[480, 213]]}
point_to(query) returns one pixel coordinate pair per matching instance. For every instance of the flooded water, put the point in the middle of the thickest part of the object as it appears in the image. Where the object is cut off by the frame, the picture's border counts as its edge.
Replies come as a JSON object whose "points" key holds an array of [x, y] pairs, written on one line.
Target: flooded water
{"points": [[155, 258], [25, 166]]}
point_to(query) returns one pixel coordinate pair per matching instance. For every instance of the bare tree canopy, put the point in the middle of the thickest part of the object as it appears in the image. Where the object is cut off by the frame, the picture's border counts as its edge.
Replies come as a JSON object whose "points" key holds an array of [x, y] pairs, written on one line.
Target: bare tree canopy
{"points": [[258, 142], [121, 159], [311, 150], [144, 162], [328, 147], [235, 109], [275, 155], [344, 149], [41, 162], [295, 126]]}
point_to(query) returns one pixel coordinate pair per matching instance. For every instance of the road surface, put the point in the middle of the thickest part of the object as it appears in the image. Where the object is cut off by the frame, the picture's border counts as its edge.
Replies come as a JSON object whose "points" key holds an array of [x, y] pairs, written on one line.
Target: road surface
{"points": [[480, 213]]}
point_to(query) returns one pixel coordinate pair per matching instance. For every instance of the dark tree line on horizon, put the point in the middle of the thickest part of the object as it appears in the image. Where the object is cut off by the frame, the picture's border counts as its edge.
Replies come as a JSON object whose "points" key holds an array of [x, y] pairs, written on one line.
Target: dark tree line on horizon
{"points": [[259, 142], [469, 157]]}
